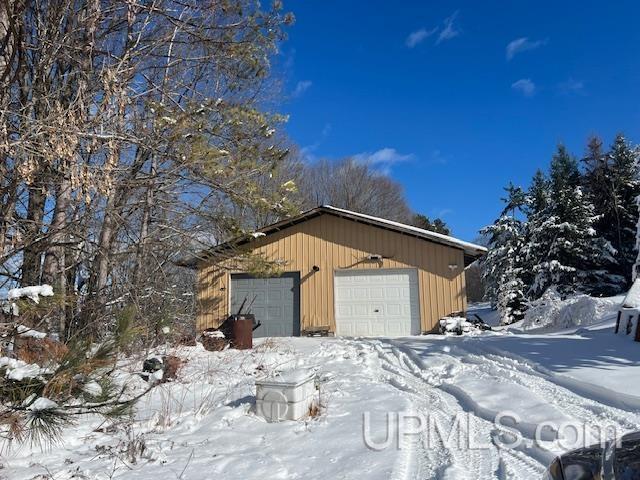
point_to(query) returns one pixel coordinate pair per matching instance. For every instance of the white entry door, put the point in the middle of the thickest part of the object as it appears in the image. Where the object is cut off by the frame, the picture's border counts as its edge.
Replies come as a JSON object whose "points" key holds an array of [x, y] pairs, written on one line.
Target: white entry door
{"points": [[382, 302]]}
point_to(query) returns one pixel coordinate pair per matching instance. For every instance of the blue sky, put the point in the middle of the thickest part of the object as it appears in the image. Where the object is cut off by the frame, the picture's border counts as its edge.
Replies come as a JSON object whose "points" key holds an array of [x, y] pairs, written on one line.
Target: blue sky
{"points": [[456, 99]]}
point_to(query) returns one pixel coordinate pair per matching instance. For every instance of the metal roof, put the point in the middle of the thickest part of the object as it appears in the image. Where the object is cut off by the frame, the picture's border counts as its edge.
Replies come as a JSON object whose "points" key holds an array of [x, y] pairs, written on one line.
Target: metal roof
{"points": [[471, 250]]}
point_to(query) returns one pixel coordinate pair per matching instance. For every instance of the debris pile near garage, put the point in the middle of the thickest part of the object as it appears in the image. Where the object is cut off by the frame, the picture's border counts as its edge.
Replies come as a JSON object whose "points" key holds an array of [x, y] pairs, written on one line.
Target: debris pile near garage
{"points": [[160, 369], [213, 340], [457, 325]]}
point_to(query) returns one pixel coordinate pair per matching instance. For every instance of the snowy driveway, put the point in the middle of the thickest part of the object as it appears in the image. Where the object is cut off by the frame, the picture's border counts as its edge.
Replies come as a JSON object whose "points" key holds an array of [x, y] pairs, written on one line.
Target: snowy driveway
{"points": [[420, 390], [586, 379]]}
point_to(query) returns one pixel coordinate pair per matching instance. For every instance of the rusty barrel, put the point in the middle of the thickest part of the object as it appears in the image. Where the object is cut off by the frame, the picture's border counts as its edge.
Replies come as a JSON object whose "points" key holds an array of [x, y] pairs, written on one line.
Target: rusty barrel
{"points": [[242, 331]]}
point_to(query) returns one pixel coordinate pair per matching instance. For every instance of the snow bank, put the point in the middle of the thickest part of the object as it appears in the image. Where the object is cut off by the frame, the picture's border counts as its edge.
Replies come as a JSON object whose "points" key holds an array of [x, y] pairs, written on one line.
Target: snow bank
{"points": [[550, 312], [33, 292], [25, 331], [204, 424], [42, 403], [18, 370], [92, 388], [632, 300]]}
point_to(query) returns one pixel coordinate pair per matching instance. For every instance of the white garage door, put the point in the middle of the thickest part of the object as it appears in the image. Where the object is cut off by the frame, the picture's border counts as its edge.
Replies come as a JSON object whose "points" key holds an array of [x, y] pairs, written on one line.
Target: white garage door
{"points": [[381, 302]]}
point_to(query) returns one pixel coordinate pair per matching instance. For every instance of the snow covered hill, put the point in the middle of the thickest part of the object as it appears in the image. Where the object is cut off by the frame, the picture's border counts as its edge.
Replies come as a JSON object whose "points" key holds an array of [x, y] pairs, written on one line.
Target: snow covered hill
{"points": [[411, 391]]}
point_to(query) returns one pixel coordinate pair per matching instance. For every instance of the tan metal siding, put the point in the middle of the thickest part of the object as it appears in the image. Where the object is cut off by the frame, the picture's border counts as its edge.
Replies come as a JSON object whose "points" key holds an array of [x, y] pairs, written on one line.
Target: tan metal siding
{"points": [[333, 243]]}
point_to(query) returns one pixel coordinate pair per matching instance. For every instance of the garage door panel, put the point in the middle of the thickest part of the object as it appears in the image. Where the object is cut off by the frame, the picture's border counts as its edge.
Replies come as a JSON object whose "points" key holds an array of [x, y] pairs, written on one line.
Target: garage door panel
{"points": [[395, 310], [378, 327], [274, 301], [380, 302], [360, 293], [362, 328], [376, 293], [393, 292], [275, 295]]}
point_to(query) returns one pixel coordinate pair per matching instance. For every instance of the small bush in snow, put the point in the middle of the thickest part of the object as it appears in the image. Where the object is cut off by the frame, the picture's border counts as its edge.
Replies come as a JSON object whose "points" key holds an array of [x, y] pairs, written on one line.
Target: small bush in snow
{"points": [[44, 384]]}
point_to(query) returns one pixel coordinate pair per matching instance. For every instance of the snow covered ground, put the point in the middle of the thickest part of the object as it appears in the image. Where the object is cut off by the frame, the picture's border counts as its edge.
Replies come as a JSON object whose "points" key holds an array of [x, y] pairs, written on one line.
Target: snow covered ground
{"points": [[202, 425]]}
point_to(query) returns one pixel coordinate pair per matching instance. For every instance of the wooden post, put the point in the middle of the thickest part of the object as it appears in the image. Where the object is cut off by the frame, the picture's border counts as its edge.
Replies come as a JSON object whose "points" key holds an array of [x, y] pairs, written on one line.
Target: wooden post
{"points": [[618, 321]]}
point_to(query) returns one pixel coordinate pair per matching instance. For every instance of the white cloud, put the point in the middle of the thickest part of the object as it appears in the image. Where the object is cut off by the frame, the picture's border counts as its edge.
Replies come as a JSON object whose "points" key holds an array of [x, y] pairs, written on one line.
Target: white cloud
{"points": [[524, 86], [450, 29], [308, 152], [383, 159], [440, 212], [571, 86], [419, 36], [522, 44], [301, 87], [437, 158]]}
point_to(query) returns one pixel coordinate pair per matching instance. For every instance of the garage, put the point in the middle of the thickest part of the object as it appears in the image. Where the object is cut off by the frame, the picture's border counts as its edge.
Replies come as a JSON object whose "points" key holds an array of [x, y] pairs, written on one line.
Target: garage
{"points": [[354, 275], [381, 302], [275, 302]]}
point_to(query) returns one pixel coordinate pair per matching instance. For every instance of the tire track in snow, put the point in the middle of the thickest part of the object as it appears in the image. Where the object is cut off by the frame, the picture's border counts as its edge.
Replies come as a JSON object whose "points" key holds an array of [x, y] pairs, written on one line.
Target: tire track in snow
{"points": [[523, 464], [589, 411], [442, 461], [498, 367]]}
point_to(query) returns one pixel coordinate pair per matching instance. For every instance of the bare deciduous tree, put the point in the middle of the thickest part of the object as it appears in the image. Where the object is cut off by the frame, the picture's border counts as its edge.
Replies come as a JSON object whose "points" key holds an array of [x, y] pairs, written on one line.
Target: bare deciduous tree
{"points": [[354, 186], [128, 130]]}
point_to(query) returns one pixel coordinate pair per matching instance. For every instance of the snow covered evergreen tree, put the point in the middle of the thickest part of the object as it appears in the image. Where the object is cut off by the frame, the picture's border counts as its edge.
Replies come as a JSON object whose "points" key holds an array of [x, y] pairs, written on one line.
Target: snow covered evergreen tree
{"points": [[502, 269], [564, 248], [624, 210], [536, 208], [610, 184]]}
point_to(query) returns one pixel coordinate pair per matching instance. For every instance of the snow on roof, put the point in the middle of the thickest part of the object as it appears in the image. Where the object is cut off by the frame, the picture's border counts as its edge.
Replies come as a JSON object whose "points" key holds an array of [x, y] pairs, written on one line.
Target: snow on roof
{"points": [[470, 249], [438, 237], [632, 300]]}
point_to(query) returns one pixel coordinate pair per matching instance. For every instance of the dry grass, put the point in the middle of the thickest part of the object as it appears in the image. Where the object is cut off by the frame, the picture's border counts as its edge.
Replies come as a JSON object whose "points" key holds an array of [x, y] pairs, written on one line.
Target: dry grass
{"points": [[42, 351]]}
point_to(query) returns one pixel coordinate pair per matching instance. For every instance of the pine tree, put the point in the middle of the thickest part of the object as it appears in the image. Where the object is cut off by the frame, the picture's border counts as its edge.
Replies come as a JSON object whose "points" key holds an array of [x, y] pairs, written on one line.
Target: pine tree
{"points": [[610, 184], [516, 198], [597, 183], [624, 211], [536, 209], [438, 225], [502, 268], [564, 249]]}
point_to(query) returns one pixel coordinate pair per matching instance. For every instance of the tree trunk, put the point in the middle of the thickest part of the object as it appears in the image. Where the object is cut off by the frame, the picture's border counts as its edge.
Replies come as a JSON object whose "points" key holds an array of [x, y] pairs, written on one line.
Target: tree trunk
{"points": [[53, 270], [32, 253], [141, 250]]}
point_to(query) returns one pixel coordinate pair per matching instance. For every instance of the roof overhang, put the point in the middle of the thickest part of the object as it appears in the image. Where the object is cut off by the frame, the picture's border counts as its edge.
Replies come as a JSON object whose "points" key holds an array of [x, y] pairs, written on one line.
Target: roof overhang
{"points": [[471, 251]]}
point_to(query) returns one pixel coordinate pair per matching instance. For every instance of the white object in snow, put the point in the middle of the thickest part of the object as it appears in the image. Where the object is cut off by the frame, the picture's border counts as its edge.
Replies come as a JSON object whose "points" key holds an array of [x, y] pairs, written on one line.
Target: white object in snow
{"points": [[632, 300], [18, 370], [258, 234], [214, 334], [25, 331], [288, 396], [42, 403], [156, 376], [455, 324], [92, 388], [33, 292]]}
